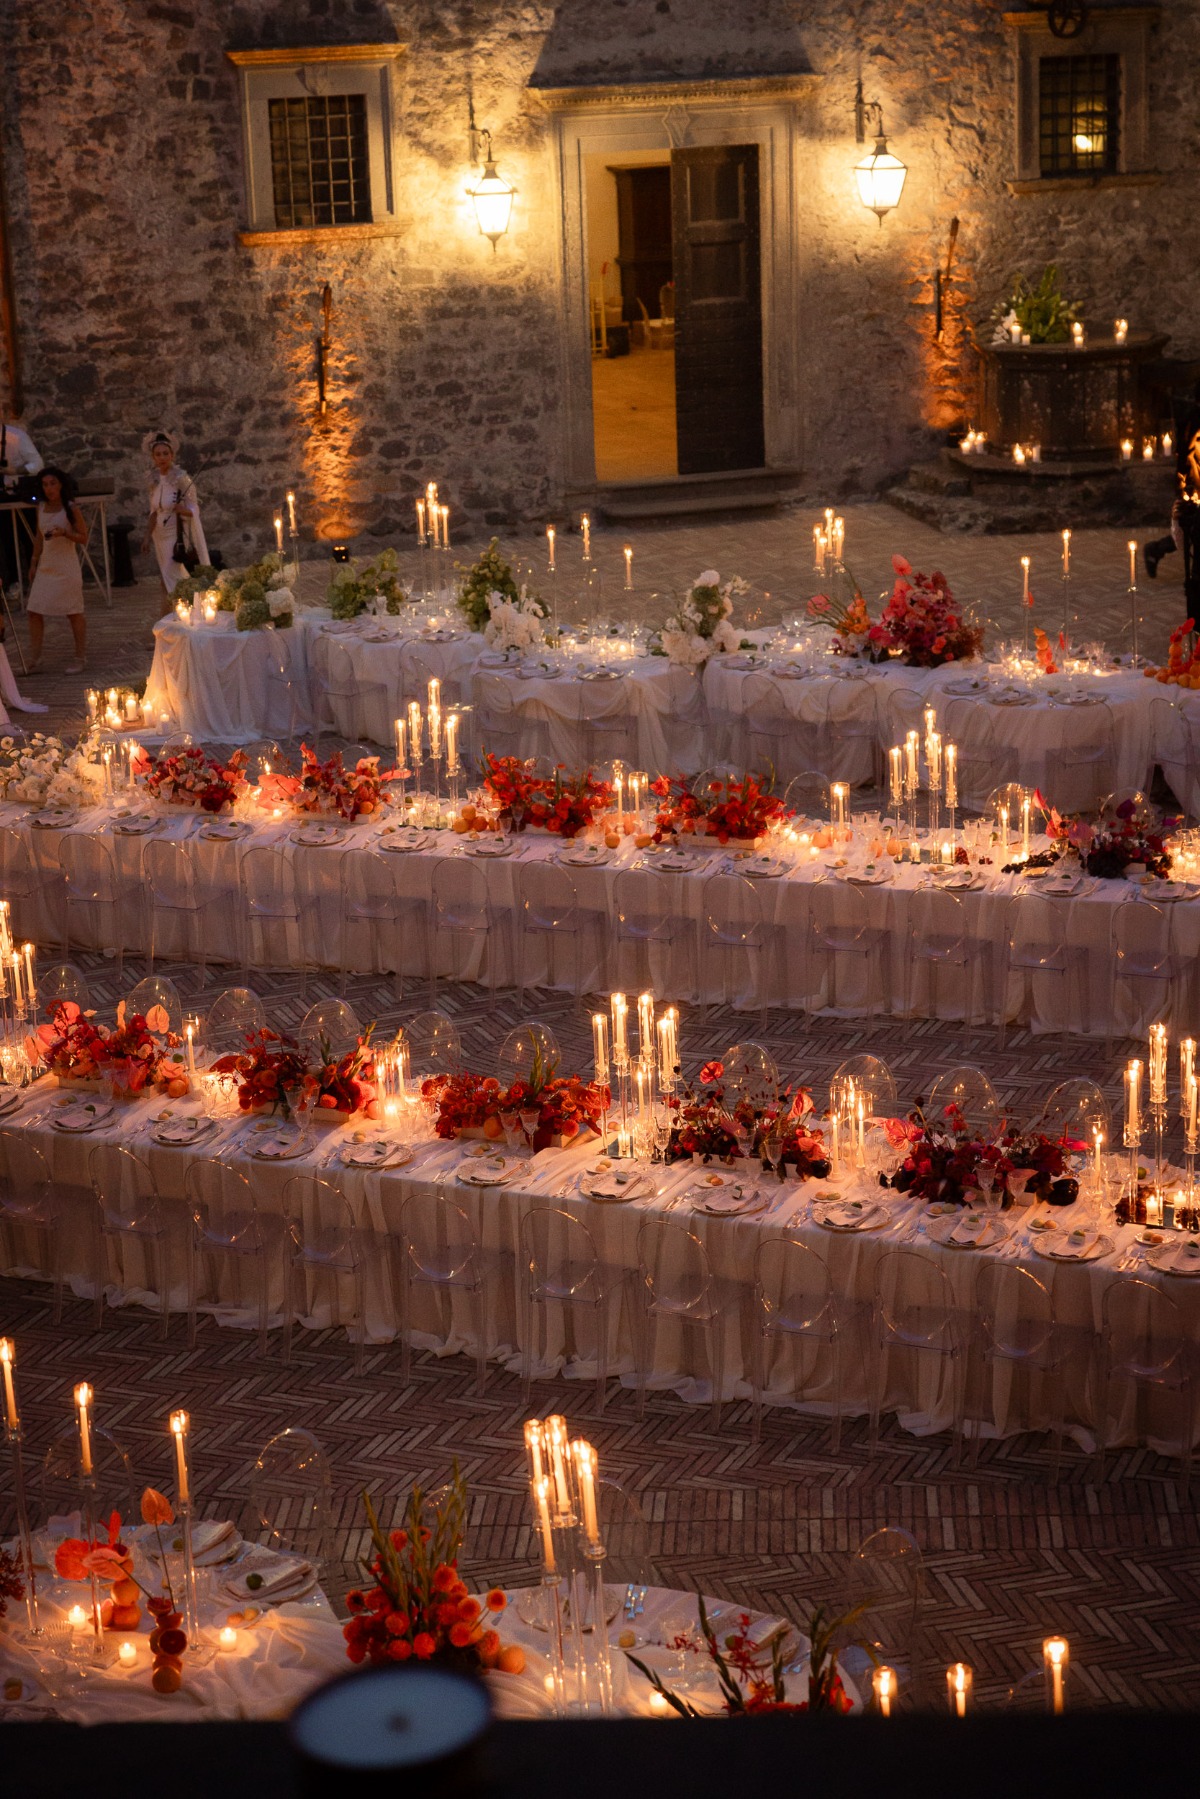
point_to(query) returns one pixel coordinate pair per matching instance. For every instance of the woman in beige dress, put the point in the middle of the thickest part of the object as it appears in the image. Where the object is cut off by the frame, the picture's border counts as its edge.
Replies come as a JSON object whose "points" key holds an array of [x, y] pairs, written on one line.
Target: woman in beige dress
{"points": [[57, 585]]}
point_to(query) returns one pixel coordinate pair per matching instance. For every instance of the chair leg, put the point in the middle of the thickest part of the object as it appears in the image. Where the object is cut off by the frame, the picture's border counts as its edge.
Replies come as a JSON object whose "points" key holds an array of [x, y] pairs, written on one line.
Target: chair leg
{"points": [[717, 1360], [360, 1334], [162, 1275], [835, 1345], [601, 1355]]}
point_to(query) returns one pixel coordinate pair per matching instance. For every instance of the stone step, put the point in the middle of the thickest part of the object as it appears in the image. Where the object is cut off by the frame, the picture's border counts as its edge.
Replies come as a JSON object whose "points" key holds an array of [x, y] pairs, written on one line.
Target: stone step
{"points": [[937, 477], [733, 490]]}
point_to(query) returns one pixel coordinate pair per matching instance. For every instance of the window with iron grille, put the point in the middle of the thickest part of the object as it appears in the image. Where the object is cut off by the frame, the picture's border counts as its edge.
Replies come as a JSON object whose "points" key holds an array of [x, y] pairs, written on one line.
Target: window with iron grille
{"points": [[1079, 113], [320, 170]]}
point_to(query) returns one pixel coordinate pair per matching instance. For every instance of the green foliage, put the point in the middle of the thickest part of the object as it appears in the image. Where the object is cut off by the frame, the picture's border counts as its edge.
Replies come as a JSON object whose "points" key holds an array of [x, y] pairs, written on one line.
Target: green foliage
{"points": [[352, 587], [491, 574], [1042, 311], [198, 582]]}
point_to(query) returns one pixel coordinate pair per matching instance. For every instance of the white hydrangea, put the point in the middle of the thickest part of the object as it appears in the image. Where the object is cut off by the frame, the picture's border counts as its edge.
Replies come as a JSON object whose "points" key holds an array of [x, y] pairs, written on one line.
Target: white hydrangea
{"points": [[281, 600], [684, 647], [514, 626], [700, 623]]}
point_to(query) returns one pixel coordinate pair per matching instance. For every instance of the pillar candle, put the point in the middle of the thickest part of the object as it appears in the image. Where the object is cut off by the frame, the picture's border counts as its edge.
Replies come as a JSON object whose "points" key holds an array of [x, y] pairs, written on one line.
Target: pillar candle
{"points": [[8, 1358], [951, 775], [401, 733], [1055, 1656], [556, 1439], [629, 565], [83, 1403], [1133, 1101], [585, 525], [179, 1430], [894, 767], [452, 744], [543, 1504], [600, 1047]]}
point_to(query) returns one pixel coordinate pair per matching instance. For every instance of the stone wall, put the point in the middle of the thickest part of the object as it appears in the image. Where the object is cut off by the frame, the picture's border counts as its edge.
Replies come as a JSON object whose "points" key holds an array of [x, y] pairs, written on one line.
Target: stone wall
{"points": [[138, 305]]}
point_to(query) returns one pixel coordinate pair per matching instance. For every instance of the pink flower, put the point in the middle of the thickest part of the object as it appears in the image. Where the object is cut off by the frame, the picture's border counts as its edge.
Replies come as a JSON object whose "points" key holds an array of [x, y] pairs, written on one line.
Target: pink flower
{"points": [[901, 566], [817, 605]]}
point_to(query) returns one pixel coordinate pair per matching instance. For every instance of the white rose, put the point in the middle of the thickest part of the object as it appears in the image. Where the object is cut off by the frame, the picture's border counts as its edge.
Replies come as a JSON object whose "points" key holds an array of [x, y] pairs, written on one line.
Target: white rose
{"points": [[710, 578]]}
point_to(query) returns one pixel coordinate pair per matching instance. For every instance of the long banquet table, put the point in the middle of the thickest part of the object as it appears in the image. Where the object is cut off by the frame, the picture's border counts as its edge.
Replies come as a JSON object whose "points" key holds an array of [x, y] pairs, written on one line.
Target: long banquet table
{"points": [[924, 1394], [792, 968]]}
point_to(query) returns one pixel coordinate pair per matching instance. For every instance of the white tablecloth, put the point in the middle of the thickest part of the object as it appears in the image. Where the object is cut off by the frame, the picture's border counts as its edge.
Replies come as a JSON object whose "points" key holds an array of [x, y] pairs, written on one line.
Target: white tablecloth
{"points": [[924, 1395], [223, 685], [792, 970]]}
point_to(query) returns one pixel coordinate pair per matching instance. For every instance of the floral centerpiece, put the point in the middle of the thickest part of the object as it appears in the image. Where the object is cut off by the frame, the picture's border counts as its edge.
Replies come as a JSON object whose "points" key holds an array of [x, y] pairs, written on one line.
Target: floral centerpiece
{"points": [[353, 588], [44, 771], [708, 1123], [273, 1073], [700, 625], [189, 777], [471, 1104], [141, 1052], [257, 595], [345, 1084], [191, 587], [332, 787], [518, 625], [730, 808], [1127, 835], [850, 621], [1041, 313], [78, 1558], [921, 622], [750, 1670], [1032, 1161], [941, 1160], [416, 1606], [559, 803], [1182, 667], [489, 579]]}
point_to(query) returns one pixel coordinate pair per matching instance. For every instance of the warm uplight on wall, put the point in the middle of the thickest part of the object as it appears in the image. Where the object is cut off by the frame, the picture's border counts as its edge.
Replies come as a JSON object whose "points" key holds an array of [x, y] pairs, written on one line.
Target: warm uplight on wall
{"points": [[880, 176], [492, 196]]}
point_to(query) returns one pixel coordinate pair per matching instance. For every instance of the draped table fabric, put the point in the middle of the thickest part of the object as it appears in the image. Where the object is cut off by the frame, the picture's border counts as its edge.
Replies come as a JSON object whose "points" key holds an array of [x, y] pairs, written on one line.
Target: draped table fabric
{"points": [[790, 968], [223, 685], [446, 1320]]}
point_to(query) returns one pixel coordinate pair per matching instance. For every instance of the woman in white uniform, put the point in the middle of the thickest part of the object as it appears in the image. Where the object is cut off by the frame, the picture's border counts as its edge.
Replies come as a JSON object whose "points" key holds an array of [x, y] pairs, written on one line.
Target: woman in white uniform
{"points": [[57, 579], [174, 512]]}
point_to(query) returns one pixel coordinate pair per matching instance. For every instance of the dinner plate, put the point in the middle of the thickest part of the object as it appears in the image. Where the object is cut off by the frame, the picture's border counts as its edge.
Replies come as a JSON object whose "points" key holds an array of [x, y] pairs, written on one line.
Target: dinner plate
{"points": [[489, 847], [967, 1230], [728, 1203], [616, 1187], [601, 674], [673, 863], [964, 686], [1075, 699], [757, 868], [1011, 699], [1170, 891], [81, 1115], [1056, 1246], [1062, 887], [180, 1132], [878, 877], [319, 836], [848, 1214], [489, 1171], [138, 826], [54, 818], [12, 1101], [402, 840], [224, 830], [377, 1152], [584, 855], [1181, 1257], [438, 636], [276, 1143]]}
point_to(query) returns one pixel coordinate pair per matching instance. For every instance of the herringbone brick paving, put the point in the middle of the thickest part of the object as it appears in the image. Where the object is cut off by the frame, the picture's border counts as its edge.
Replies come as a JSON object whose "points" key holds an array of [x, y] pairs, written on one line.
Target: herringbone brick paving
{"points": [[1116, 1567]]}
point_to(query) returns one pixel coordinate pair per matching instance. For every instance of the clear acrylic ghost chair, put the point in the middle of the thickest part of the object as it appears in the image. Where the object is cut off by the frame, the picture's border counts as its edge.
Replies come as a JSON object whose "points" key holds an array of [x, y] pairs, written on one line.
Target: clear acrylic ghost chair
{"points": [[548, 909], [971, 1093], [982, 752], [1145, 1344], [31, 1209], [434, 1044], [938, 941], [1037, 944], [649, 920], [285, 705], [1079, 756], [1016, 1330], [346, 696], [21, 883], [290, 1498], [872, 1079], [628, 1566], [737, 934], [1146, 964], [62, 983], [271, 911], [913, 1315], [1175, 748], [851, 727], [683, 715], [774, 738], [177, 887], [92, 893], [901, 710], [507, 726], [1075, 1110], [676, 1286], [115, 1487], [462, 913], [527, 1045], [605, 720], [232, 1017], [156, 990], [371, 904], [563, 1278], [887, 1578], [839, 930], [324, 1245], [129, 1213], [807, 795], [441, 1253], [179, 740], [330, 1023], [795, 1306], [231, 1237]]}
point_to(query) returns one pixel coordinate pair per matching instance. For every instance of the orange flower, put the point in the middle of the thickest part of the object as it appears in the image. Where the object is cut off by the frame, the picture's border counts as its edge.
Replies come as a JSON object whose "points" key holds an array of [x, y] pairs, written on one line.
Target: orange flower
{"points": [[423, 1645], [496, 1600], [468, 1610], [443, 1578], [460, 1635], [156, 1507]]}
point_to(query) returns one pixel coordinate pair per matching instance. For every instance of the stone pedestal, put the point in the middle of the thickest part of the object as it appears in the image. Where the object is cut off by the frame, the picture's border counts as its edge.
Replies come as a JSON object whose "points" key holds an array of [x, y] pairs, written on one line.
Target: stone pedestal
{"points": [[1073, 402]]}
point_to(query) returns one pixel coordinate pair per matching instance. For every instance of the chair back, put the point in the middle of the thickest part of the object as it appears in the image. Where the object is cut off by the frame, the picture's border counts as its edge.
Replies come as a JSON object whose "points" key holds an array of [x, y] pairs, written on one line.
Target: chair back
{"points": [[837, 915], [59, 984], [1076, 1109], [16, 864], [1144, 1332], [873, 1081], [233, 1015], [793, 1288], [914, 1301], [1141, 935], [290, 1497], [733, 912], [173, 875], [440, 1240], [368, 885], [807, 795], [125, 1191], [332, 1023], [1014, 1311], [548, 899], [156, 990], [320, 1222], [28, 1185], [268, 882], [460, 896], [558, 1255], [434, 1044], [887, 1578], [87, 864], [115, 1487], [222, 1205], [969, 1091], [674, 1271]]}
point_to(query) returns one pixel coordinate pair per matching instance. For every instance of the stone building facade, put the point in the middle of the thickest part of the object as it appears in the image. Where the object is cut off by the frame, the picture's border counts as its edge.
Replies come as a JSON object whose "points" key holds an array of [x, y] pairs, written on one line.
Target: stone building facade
{"points": [[143, 296]]}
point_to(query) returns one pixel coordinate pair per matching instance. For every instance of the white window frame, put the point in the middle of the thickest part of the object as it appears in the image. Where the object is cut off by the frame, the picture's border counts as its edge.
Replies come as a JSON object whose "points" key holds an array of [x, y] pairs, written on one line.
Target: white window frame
{"points": [[289, 74]]}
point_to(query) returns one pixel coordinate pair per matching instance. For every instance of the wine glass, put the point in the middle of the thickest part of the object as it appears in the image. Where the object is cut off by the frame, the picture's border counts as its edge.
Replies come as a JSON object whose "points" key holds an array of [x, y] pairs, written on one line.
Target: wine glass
{"points": [[985, 1180], [510, 1124]]}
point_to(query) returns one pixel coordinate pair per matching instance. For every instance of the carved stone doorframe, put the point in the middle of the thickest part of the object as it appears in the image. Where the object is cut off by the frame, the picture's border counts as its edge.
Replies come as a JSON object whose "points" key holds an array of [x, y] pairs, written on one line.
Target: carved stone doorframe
{"points": [[617, 121]]}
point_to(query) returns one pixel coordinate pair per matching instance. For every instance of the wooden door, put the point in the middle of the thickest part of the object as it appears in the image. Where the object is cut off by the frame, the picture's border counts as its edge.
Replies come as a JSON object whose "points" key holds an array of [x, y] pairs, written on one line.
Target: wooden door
{"points": [[718, 308]]}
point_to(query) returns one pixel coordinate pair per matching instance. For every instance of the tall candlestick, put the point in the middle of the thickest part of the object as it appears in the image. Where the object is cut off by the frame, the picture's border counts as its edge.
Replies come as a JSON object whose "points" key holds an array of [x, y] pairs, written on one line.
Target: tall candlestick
{"points": [[951, 777], [556, 1439], [1133, 1104], [543, 1503], [435, 692], [1187, 1062], [959, 1681], [444, 515], [1025, 580], [533, 1449], [600, 1047], [435, 732], [897, 791], [279, 533], [645, 1008], [291, 506], [1025, 810], [1056, 1657], [1066, 552], [452, 763], [585, 525], [550, 543], [620, 1041], [179, 1430], [421, 522], [1097, 1156], [666, 1071], [585, 1473], [1158, 1064], [629, 565], [191, 1051], [414, 729], [30, 984], [1133, 549], [1191, 1107], [8, 1357], [83, 1403]]}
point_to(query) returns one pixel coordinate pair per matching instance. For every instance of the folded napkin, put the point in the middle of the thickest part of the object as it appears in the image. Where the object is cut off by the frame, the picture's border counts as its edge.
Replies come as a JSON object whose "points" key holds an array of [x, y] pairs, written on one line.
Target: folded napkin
{"points": [[971, 1228], [489, 1172], [727, 1200], [281, 1144], [617, 1184], [847, 1213], [267, 1579], [1075, 1245], [181, 1130], [1182, 1257]]}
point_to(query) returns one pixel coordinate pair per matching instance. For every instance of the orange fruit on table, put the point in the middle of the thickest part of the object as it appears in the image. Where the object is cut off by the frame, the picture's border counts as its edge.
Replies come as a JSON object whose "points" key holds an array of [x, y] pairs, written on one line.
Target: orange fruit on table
{"points": [[177, 1089], [172, 1642], [126, 1617], [166, 1680], [168, 1661], [125, 1592], [493, 1128], [511, 1659]]}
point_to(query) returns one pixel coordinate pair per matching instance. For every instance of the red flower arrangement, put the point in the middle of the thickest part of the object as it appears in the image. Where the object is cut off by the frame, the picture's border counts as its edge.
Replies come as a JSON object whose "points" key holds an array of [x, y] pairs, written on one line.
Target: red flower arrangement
{"points": [[560, 803], [332, 787], [190, 778], [345, 1084], [1127, 833], [417, 1607], [136, 1054], [921, 621], [70, 1046], [11, 1584], [751, 1674], [706, 1125], [567, 1104], [729, 809], [273, 1073]]}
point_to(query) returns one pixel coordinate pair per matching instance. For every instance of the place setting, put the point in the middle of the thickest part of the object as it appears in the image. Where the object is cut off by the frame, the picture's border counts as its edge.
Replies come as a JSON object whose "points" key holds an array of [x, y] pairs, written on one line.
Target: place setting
{"points": [[613, 1182]]}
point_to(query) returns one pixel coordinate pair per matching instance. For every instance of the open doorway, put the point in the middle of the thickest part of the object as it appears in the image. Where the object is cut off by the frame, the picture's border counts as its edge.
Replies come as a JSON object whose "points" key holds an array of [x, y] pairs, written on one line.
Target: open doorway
{"points": [[631, 312], [675, 312]]}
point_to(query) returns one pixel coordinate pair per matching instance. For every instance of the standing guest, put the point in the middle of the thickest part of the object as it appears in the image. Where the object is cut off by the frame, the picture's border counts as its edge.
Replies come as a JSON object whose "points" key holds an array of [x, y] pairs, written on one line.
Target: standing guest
{"points": [[57, 579], [19, 464], [174, 513]]}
